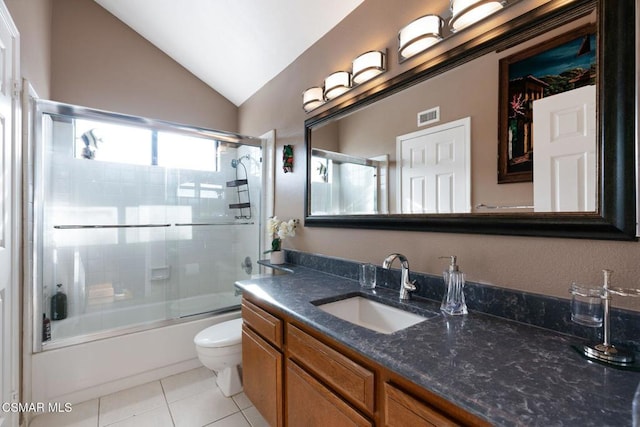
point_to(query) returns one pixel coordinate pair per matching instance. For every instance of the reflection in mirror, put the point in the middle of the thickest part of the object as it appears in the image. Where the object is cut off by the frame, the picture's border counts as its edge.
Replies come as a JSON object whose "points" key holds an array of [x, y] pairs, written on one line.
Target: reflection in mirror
{"points": [[344, 184], [457, 176], [433, 169], [446, 79]]}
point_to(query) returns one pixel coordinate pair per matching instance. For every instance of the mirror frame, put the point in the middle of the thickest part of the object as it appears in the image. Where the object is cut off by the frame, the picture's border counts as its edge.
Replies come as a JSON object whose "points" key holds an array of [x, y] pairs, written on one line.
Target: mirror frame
{"points": [[615, 218]]}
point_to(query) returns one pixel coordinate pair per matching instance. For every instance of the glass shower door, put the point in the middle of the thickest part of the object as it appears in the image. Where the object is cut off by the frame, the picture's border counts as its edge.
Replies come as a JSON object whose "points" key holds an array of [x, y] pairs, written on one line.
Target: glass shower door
{"points": [[137, 221]]}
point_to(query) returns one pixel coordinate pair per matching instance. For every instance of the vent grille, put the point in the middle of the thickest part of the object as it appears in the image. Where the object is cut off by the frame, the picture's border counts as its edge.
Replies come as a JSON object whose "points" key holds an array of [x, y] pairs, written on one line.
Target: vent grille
{"points": [[429, 116]]}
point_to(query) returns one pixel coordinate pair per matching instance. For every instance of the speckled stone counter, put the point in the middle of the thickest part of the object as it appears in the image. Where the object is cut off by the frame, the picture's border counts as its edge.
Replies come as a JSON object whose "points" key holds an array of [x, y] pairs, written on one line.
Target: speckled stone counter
{"points": [[508, 373]]}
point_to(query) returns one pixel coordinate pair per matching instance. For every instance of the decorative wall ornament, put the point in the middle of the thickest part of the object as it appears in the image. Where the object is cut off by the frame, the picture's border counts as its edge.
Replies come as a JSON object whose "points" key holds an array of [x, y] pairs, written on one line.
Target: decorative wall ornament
{"points": [[287, 158]]}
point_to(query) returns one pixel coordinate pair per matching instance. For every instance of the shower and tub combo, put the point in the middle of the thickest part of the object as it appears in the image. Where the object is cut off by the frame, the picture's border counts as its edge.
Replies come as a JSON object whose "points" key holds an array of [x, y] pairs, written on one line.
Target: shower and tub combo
{"points": [[145, 235]]}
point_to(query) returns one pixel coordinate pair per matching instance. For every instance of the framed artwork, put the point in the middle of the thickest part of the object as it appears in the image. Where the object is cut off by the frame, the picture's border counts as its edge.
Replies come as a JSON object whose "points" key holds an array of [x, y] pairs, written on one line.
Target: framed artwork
{"points": [[557, 65]]}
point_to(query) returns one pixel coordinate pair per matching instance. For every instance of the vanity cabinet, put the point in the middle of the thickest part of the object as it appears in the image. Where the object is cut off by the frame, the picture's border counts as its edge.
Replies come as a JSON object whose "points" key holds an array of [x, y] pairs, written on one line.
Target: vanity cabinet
{"points": [[297, 376], [262, 362]]}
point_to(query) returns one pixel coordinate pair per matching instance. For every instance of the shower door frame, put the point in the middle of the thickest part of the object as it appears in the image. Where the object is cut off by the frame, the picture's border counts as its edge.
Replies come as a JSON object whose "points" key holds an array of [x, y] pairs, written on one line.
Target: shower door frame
{"points": [[36, 208]]}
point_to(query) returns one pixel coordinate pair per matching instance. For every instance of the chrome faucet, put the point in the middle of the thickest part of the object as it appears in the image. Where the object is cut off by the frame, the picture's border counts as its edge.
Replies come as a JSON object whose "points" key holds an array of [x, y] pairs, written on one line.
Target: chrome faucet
{"points": [[406, 285]]}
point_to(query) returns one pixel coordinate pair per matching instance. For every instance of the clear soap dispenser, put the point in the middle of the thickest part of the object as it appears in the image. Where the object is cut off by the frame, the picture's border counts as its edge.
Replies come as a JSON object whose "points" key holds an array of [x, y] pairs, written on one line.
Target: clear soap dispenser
{"points": [[453, 301]]}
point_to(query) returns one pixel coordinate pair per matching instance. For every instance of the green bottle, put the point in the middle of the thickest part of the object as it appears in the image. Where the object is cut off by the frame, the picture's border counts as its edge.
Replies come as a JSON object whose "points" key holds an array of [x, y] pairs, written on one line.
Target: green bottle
{"points": [[59, 304]]}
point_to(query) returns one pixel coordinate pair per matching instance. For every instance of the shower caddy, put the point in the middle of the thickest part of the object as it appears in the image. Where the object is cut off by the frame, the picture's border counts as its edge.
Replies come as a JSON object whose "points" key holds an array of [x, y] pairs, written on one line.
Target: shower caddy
{"points": [[242, 187]]}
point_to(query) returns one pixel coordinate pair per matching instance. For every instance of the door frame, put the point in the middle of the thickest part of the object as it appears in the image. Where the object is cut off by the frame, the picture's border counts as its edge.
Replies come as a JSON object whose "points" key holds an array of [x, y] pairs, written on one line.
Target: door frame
{"points": [[12, 312]]}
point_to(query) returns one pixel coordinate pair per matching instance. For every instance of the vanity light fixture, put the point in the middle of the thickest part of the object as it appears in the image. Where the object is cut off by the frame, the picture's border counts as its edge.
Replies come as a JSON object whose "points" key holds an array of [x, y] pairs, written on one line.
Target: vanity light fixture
{"points": [[419, 35], [336, 84], [368, 65], [312, 98], [467, 12]]}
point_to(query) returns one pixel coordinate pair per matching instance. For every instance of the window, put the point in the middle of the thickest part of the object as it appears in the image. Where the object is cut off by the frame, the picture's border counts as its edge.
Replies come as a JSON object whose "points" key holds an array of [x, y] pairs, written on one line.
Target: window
{"points": [[112, 143], [139, 146], [186, 152]]}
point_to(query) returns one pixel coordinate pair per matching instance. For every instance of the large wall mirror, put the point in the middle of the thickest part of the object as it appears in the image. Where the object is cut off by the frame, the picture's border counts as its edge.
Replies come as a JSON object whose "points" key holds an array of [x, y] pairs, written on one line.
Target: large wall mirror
{"points": [[490, 103]]}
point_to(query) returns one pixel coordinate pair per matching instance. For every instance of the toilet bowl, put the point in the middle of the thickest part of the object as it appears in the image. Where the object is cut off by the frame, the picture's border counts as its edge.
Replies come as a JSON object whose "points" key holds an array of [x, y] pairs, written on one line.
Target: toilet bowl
{"points": [[219, 348]]}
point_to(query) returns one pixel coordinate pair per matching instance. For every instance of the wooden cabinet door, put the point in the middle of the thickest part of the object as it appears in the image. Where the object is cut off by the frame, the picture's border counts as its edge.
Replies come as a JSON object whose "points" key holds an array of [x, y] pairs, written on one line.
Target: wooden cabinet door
{"points": [[402, 410], [262, 376], [310, 404]]}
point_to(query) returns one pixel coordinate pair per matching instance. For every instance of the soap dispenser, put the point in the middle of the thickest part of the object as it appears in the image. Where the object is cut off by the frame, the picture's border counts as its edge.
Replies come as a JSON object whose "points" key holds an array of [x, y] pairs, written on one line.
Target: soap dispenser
{"points": [[453, 301], [59, 304]]}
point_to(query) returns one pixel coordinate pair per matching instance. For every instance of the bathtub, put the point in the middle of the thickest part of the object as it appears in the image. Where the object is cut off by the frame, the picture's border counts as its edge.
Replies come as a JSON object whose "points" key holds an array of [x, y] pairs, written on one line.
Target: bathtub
{"points": [[104, 363]]}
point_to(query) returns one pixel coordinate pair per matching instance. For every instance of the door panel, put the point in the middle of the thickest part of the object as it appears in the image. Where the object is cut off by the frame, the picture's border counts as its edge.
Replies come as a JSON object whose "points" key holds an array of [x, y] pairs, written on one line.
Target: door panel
{"points": [[564, 166], [434, 169]]}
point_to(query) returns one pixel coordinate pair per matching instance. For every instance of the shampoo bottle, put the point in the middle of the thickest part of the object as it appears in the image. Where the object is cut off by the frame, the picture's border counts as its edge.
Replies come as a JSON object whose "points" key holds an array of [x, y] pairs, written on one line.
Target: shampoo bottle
{"points": [[453, 301], [59, 304]]}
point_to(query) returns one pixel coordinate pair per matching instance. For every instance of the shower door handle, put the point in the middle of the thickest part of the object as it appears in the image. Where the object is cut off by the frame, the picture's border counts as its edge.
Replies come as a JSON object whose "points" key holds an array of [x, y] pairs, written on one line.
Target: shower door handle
{"points": [[99, 226], [196, 224]]}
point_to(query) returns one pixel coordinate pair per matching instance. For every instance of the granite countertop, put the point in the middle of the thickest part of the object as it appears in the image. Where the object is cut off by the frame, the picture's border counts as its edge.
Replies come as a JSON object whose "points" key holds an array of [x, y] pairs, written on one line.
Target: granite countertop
{"points": [[508, 373]]}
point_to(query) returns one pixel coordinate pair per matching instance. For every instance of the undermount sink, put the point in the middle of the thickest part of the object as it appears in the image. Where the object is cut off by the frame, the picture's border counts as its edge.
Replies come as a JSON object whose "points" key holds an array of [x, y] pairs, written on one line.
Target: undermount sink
{"points": [[372, 315]]}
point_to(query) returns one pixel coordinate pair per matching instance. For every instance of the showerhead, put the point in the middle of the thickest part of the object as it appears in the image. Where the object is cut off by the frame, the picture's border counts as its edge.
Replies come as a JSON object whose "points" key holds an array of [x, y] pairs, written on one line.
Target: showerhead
{"points": [[236, 162]]}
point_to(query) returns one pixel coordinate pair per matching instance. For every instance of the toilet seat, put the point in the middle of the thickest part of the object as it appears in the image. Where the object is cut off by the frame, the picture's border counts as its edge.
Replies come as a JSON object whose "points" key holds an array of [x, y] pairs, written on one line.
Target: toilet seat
{"points": [[223, 334]]}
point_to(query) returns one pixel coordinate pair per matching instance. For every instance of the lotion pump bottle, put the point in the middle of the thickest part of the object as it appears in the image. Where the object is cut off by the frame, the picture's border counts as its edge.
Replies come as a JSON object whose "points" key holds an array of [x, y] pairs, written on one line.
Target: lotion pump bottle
{"points": [[453, 301]]}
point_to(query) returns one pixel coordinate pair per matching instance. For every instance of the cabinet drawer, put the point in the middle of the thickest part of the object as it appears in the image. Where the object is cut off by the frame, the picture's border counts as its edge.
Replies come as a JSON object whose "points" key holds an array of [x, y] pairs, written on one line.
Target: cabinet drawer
{"points": [[311, 404], [402, 410], [354, 382], [265, 324]]}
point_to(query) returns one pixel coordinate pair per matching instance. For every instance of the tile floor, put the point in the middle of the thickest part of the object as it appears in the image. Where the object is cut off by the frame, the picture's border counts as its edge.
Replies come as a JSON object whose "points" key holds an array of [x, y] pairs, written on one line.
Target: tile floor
{"points": [[188, 399]]}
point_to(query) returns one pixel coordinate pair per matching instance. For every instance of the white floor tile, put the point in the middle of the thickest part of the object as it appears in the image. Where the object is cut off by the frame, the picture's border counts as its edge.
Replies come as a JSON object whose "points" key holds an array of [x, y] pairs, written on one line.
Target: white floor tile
{"points": [[202, 409], [159, 417], [127, 403], [254, 417], [188, 399], [242, 400], [188, 383], [83, 414], [235, 420]]}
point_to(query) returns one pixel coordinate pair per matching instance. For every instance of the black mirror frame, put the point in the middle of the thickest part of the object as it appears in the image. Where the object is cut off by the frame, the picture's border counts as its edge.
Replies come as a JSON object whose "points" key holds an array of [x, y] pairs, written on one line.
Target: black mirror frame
{"points": [[616, 111]]}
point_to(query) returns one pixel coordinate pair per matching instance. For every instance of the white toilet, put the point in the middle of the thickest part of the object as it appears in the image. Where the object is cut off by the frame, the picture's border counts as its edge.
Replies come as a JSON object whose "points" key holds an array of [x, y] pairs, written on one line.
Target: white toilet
{"points": [[219, 348]]}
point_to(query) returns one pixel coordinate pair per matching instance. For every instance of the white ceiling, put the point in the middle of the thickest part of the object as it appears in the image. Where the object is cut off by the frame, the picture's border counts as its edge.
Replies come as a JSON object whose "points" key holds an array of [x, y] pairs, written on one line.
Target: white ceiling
{"points": [[234, 46]]}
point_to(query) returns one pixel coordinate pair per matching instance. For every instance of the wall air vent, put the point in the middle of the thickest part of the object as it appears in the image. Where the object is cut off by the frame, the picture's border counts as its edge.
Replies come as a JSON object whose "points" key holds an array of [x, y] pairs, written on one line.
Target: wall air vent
{"points": [[431, 115]]}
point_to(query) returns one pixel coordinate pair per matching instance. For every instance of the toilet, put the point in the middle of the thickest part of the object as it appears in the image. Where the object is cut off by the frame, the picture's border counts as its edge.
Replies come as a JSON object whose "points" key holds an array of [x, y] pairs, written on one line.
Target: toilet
{"points": [[219, 348]]}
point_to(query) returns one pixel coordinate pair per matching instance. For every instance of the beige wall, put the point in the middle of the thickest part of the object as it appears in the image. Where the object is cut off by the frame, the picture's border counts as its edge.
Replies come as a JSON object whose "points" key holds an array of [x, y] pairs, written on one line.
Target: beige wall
{"points": [[539, 265], [33, 19], [99, 62]]}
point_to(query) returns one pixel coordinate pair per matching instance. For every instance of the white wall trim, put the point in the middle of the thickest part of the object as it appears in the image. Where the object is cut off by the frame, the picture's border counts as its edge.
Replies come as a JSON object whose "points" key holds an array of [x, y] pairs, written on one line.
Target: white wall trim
{"points": [[268, 185]]}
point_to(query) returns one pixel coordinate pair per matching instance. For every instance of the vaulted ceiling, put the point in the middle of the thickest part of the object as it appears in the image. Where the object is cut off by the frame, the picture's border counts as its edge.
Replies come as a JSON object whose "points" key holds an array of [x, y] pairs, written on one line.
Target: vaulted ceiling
{"points": [[234, 46]]}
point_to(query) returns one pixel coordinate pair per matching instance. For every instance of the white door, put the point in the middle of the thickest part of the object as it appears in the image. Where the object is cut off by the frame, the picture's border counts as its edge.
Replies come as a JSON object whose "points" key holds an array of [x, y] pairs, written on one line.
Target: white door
{"points": [[564, 165], [434, 169], [9, 213]]}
